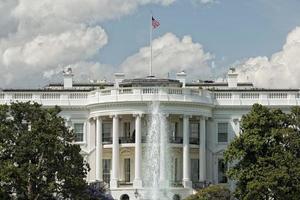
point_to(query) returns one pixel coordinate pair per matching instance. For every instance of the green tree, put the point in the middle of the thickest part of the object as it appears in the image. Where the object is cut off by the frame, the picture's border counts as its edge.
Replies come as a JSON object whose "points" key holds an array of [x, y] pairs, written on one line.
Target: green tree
{"points": [[214, 192], [37, 157], [266, 155]]}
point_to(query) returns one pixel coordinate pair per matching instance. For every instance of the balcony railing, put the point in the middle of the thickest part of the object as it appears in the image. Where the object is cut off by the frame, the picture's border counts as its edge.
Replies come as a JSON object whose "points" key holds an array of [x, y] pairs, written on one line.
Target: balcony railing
{"points": [[176, 140], [107, 140], [194, 141], [126, 140], [176, 184], [172, 140]]}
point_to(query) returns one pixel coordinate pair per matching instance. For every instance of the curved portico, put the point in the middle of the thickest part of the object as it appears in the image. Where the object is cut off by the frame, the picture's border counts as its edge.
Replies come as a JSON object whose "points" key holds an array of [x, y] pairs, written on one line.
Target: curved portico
{"points": [[125, 107]]}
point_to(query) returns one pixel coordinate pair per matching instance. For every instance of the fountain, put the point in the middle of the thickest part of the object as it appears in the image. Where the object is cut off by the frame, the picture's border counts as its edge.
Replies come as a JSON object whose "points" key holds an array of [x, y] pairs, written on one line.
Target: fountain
{"points": [[157, 157]]}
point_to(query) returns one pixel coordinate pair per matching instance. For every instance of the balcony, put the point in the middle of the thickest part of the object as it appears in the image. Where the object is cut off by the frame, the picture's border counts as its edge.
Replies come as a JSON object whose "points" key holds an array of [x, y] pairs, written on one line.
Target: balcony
{"points": [[194, 141], [107, 140], [176, 184], [176, 140], [123, 140], [172, 140]]}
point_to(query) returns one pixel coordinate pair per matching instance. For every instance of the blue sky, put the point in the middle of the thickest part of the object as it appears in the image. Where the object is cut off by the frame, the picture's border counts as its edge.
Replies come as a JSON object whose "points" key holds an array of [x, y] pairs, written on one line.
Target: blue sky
{"points": [[232, 30], [96, 38]]}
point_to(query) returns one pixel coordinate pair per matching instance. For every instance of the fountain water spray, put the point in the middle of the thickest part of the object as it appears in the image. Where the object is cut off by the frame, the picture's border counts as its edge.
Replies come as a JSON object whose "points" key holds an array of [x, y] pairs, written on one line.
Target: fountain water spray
{"points": [[157, 166]]}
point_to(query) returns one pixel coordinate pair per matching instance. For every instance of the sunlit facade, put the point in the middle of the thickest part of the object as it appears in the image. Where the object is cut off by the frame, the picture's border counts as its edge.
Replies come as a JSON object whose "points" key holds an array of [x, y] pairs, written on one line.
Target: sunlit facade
{"points": [[110, 122]]}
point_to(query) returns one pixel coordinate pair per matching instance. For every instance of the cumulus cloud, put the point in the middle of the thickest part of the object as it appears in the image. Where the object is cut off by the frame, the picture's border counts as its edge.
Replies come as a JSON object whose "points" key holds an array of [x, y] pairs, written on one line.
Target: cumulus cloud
{"points": [[281, 70], [170, 54], [64, 48], [39, 37]]}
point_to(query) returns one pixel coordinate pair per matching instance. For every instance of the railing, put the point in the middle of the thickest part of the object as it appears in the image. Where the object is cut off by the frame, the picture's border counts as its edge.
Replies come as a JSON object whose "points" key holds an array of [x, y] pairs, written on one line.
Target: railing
{"points": [[221, 95], [176, 184], [78, 95], [194, 141], [200, 185], [154, 93], [50, 96], [176, 140], [126, 139], [107, 140], [261, 97], [250, 95], [22, 95]]}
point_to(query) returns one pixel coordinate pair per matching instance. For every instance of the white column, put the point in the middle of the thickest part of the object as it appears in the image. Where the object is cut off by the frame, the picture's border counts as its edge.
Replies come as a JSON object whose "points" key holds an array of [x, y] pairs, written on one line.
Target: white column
{"points": [[115, 153], [186, 153], [99, 152], [202, 151], [137, 183]]}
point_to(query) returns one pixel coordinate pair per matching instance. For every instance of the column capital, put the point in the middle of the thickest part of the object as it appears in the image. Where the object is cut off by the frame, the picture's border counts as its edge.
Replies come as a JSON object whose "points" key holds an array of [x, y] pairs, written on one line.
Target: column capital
{"points": [[185, 116], [166, 114], [91, 119], [99, 117], [203, 117], [114, 116], [236, 120], [137, 114]]}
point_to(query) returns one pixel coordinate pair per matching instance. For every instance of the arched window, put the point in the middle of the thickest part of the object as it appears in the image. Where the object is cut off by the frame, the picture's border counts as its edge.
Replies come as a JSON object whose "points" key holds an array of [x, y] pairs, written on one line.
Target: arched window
{"points": [[124, 197]]}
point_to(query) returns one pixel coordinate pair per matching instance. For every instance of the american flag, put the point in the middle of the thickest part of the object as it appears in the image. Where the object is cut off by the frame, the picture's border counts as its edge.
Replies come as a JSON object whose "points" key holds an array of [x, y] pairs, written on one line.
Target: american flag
{"points": [[155, 23]]}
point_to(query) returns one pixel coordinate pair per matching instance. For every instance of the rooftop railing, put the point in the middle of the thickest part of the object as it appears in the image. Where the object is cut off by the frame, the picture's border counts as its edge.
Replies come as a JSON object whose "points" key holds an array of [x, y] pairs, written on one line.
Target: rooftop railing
{"points": [[261, 97], [193, 95]]}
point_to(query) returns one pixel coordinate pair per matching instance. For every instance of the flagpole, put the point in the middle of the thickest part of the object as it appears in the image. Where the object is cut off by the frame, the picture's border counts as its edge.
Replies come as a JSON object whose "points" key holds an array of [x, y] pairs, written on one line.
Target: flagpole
{"points": [[151, 31]]}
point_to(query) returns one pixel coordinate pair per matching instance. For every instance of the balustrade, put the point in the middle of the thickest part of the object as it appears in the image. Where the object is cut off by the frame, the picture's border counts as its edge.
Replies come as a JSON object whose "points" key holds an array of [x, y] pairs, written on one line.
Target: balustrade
{"points": [[163, 93]]}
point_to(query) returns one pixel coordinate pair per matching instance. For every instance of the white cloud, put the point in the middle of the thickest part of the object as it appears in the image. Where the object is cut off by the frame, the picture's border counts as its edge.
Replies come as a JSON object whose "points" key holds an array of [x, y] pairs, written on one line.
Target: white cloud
{"points": [[205, 2], [281, 70], [64, 48], [38, 37], [170, 54]]}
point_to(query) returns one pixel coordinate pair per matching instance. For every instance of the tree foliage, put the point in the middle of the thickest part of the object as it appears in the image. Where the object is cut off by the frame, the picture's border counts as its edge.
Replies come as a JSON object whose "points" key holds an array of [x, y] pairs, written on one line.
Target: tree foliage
{"points": [[266, 155], [37, 157], [213, 192]]}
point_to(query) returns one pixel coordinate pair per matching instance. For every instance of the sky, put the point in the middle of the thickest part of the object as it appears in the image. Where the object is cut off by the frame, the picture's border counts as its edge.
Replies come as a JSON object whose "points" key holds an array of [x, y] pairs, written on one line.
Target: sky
{"points": [[96, 38]]}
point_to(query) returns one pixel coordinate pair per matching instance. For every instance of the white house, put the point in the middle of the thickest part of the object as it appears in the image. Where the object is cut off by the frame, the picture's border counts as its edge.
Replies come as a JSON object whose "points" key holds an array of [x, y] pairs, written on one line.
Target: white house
{"points": [[110, 122]]}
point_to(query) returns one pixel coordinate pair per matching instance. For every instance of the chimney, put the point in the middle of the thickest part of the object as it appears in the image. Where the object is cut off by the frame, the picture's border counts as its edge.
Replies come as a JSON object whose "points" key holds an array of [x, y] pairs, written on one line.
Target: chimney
{"points": [[232, 78], [181, 76], [68, 78], [119, 77]]}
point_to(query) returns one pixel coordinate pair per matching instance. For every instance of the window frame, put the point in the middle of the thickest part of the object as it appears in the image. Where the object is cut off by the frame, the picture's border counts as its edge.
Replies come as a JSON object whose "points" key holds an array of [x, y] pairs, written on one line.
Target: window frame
{"points": [[83, 122], [191, 131], [217, 131]]}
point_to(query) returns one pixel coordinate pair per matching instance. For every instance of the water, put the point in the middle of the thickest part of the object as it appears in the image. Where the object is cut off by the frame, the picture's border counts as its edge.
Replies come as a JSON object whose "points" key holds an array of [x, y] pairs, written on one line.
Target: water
{"points": [[157, 156]]}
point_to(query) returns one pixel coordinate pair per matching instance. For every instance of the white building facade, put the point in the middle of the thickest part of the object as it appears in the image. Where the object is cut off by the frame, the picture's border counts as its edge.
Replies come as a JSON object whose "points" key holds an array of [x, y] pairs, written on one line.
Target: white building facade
{"points": [[110, 122]]}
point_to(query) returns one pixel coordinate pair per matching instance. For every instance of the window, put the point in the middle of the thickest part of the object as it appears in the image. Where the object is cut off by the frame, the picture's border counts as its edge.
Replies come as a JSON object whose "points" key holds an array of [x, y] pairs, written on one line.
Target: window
{"points": [[222, 168], [222, 132], [195, 170], [174, 129], [106, 131], [78, 129], [127, 169], [106, 170], [194, 129], [126, 129]]}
